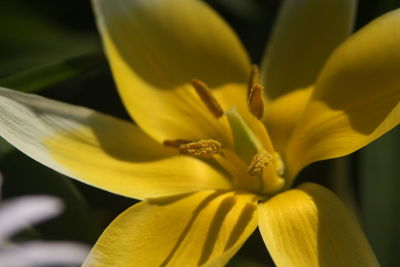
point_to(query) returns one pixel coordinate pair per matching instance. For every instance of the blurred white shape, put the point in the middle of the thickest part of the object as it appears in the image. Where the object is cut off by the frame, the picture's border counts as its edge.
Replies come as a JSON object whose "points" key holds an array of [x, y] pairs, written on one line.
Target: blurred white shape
{"points": [[1, 183], [21, 212], [40, 253]]}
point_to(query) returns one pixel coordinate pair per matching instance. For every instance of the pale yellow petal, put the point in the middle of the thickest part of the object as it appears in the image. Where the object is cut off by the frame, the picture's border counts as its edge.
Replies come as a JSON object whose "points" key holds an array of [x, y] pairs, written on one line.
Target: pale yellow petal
{"points": [[98, 149], [309, 227], [156, 48], [205, 228], [282, 116], [356, 98], [305, 34]]}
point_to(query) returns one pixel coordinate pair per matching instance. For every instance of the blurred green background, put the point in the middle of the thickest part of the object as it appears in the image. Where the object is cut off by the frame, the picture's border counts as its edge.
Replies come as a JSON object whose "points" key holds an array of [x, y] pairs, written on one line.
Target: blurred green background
{"points": [[52, 48]]}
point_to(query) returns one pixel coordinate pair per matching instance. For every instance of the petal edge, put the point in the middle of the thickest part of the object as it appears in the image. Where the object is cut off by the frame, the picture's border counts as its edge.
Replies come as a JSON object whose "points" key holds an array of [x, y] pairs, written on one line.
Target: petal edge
{"points": [[310, 226]]}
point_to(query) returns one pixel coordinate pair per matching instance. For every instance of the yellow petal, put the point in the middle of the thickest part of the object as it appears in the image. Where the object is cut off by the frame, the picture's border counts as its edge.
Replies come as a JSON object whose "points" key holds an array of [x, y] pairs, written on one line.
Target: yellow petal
{"points": [[356, 98], [205, 228], [305, 34], [283, 115], [309, 226], [98, 149], [156, 48]]}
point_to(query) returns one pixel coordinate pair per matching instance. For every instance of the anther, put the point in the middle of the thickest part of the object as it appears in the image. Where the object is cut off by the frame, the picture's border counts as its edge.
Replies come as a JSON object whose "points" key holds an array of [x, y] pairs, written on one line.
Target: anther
{"points": [[208, 99], [259, 162], [254, 79], [255, 101], [202, 148], [175, 143]]}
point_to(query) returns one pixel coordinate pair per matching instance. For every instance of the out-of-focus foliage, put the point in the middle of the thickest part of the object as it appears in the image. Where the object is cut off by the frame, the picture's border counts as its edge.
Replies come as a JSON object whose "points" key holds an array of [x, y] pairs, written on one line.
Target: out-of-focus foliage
{"points": [[42, 77], [28, 38], [380, 199]]}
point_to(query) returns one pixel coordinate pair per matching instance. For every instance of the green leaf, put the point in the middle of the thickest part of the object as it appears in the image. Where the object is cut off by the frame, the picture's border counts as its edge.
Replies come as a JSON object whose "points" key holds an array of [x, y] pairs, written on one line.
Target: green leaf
{"points": [[380, 198], [47, 75], [384, 6], [4, 147], [30, 38]]}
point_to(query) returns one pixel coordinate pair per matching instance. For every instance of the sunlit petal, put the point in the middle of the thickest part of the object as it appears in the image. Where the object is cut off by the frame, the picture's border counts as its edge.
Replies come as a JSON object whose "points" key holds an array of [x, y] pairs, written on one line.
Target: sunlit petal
{"points": [[191, 230], [98, 149], [310, 226], [305, 34], [156, 48], [356, 98], [282, 116]]}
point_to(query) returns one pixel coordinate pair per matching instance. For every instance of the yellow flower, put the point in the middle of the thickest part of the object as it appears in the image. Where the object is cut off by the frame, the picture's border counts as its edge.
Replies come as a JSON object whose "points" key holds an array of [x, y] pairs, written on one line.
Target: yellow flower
{"points": [[208, 162]]}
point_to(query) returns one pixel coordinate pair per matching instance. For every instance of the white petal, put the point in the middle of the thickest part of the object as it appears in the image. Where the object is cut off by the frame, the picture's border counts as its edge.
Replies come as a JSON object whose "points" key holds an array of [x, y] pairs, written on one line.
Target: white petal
{"points": [[39, 253], [1, 184], [24, 118], [21, 212], [100, 150]]}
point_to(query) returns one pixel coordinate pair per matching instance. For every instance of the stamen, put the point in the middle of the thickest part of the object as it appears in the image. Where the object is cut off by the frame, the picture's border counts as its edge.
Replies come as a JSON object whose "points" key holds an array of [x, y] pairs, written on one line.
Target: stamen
{"points": [[175, 143], [208, 99], [256, 104], [259, 162], [202, 148], [254, 79]]}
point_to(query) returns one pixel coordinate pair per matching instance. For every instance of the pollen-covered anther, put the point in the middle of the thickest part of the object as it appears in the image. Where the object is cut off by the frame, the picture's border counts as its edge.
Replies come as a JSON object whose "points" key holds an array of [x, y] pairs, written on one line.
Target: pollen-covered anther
{"points": [[202, 148], [255, 101], [208, 99], [259, 162]]}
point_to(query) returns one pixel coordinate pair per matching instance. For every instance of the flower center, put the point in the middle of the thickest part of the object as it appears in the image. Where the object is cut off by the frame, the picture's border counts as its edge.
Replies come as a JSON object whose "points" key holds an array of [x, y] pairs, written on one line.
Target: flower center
{"points": [[251, 163]]}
